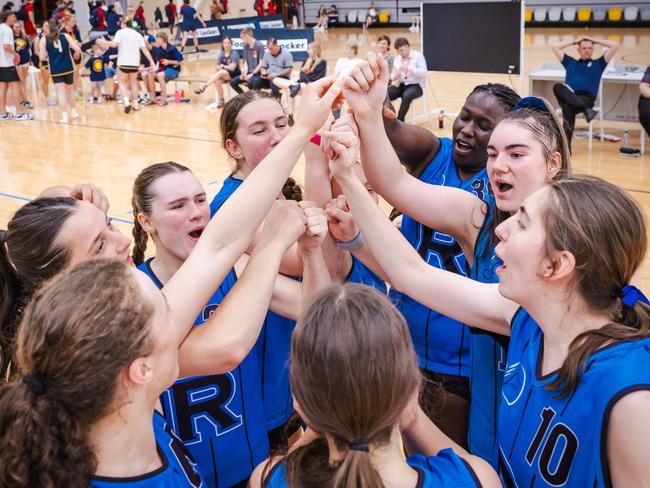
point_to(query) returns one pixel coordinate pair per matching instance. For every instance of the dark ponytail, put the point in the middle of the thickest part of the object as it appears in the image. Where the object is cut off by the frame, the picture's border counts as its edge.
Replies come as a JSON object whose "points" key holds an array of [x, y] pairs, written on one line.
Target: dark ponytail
{"points": [[29, 256], [72, 360], [143, 198]]}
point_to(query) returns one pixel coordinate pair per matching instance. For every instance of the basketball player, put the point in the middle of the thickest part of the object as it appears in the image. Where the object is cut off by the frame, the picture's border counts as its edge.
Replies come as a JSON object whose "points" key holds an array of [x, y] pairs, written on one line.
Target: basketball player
{"points": [[252, 123], [55, 47], [577, 374], [470, 220], [224, 428], [43, 64], [96, 349], [357, 386], [129, 44]]}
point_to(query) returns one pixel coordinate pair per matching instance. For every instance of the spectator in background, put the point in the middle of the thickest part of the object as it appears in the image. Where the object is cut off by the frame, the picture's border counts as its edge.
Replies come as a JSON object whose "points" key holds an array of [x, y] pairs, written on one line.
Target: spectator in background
{"points": [[383, 47], [259, 7], [29, 23], [371, 16], [578, 93], [98, 17], [416, 20], [9, 79], [322, 19], [192, 20], [292, 12], [227, 70], [276, 63], [169, 64], [139, 17], [408, 76], [112, 20], [312, 69], [271, 7], [8, 7], [170, 13], [117, 6], [216, 10], [346, 64], [21, 46], [333, 15], [253, 54], [644, 101], [96, 68], [158, 17]]}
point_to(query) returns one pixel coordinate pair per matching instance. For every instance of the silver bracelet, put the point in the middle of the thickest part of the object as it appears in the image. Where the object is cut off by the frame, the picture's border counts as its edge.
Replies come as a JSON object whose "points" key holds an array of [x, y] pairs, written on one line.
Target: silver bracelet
{"points": [[352, 244]]}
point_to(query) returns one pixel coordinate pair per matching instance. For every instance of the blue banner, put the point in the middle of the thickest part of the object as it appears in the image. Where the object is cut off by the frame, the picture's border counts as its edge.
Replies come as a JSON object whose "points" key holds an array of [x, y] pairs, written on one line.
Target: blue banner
{"points": [[213, 31], [294, 40]]}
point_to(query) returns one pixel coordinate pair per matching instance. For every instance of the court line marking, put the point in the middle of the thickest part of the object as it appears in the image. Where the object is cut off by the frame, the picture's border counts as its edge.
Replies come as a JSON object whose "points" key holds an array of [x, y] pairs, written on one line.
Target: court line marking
{"points": [[216, 141], [26, 199]]}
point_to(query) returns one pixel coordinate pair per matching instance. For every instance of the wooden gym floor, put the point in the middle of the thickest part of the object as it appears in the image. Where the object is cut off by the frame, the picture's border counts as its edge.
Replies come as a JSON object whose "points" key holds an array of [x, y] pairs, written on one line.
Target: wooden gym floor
{"points": [[109, 148]]}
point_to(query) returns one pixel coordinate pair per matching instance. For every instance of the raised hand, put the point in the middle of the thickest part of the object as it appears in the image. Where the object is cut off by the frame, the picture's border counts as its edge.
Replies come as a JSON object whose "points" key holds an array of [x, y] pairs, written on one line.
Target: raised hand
{"points": [[284, 224], [316, 227], [316, 103], [340, 220], [366, 85], [342, 150], [90, 193]]}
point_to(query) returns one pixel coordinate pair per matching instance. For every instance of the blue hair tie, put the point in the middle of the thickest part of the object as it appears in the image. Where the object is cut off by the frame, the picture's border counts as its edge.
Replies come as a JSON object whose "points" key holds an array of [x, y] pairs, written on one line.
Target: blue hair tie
{"points": [[532, 102], [631, 295]]}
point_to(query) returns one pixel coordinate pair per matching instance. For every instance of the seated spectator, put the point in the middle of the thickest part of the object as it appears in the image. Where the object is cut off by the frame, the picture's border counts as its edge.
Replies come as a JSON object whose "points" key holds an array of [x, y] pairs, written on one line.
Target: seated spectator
{"points": [[169, 64], [312, 69], [408, 76], [216, 10], [383, 47], [227, 70], [321, 19], [416, 20], [371, 16], [253, 54], [276, 63], [333, 15], [346, 64]]}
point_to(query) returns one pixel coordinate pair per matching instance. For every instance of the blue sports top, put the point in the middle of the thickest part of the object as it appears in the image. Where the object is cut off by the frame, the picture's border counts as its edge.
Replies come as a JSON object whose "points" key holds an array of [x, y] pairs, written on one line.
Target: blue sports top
{"points": [[444, 470], [177, 470], [219, 417], [549, 441], [442, 344]]}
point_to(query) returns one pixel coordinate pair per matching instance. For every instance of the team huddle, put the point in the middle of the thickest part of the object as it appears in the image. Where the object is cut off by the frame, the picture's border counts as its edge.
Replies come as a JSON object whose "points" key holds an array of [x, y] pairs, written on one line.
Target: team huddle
{"points": [[490, 335]]}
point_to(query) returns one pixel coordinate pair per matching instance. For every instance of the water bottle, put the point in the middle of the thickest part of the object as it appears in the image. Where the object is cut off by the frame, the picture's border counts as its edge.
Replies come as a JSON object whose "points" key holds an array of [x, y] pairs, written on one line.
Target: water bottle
{"points": [[625, 138]]}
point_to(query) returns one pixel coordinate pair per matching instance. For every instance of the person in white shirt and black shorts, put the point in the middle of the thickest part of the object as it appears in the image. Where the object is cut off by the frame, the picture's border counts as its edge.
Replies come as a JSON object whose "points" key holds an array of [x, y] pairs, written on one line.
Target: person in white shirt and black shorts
{"points": [[8, 60], [409, 76]]}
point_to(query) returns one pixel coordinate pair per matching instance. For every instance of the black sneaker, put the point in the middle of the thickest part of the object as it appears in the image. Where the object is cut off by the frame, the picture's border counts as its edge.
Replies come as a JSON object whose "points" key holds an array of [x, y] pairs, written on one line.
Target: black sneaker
{"points": [[590, 114], [290, 120], [294, 89], [127, 108]]}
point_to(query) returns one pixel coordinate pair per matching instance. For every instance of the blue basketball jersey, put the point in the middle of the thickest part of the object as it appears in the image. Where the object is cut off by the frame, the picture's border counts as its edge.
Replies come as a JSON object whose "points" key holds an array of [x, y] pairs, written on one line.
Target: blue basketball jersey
{"points": [[59, 57], [219, 417], [488, 357], [360, 273], [442, 344], [444, 470], [549, 441], [272, 346], [177, 470]]}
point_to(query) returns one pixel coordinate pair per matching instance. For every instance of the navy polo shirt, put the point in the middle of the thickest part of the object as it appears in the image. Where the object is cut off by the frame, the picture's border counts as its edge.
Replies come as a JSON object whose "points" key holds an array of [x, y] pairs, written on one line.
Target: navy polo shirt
{"points": [[583, 75]]}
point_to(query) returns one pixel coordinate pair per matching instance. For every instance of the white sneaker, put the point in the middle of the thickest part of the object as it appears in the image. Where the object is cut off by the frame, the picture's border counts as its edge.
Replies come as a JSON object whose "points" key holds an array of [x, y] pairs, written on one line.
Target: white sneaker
{"points": [[74, 114], [51, 102], [11, 109], [136, 105], [100, 100], [6, 116], [23, 116], [64, 118], [417, 29], [90, 99]]}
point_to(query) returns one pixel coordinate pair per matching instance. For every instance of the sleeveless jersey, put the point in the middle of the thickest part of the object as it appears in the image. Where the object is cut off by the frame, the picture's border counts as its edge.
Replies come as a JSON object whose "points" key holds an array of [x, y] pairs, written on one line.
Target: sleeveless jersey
{"points": [[444, 470], [272, 346], [218, 417], [360, 273], [442, 344], [549, 441], [177, 470], [59, 57], [488, 356]]}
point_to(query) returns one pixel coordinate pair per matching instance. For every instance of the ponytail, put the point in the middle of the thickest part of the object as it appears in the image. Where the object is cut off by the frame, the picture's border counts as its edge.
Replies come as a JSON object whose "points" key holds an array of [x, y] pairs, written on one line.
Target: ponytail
{"points": [[140, 238], [42, 443], [292, 190], [54, 33]]}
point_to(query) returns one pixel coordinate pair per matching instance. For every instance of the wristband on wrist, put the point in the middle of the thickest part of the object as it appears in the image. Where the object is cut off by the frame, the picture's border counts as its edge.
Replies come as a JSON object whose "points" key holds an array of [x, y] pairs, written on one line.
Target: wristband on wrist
{"points": [[352, 244]]}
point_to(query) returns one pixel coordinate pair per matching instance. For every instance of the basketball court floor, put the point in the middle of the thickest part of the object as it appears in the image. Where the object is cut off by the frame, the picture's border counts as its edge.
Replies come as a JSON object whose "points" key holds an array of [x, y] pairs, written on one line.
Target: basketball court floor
{"points": [[109, 148]]}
